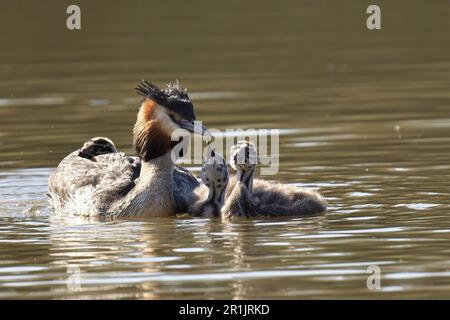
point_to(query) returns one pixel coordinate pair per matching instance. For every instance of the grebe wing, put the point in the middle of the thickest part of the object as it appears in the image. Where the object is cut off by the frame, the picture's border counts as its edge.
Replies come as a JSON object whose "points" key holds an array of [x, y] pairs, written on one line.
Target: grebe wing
{"points": [[100, 182], [184, 183]]}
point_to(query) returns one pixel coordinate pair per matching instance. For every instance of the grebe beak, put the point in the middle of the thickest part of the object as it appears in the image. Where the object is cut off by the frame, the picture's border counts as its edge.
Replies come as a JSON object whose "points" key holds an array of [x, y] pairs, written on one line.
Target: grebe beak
{"points": [[195, 127]]}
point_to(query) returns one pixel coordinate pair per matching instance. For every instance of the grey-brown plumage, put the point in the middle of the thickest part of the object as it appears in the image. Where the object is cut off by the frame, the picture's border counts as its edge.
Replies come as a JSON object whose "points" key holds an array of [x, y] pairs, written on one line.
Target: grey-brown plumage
{"points": [[96, 180], [249, 197], [93, 186]]}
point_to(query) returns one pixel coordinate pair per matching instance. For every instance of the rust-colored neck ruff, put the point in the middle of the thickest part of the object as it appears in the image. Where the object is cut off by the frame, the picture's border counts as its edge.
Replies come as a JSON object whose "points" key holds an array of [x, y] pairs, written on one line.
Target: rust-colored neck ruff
{"points": [[149, 140]]}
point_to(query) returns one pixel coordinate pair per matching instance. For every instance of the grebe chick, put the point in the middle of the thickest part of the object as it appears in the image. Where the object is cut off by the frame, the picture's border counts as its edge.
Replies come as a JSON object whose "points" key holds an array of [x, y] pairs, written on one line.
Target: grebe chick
{"points": [[211, 194], [119, 185], [239, 202], [95, 147], [247, 196]]}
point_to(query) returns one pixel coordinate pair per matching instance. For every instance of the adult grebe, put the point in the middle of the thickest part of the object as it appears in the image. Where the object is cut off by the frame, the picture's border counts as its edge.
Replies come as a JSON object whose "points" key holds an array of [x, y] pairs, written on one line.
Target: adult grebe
{"points": [[246, 196], [96, 180]]}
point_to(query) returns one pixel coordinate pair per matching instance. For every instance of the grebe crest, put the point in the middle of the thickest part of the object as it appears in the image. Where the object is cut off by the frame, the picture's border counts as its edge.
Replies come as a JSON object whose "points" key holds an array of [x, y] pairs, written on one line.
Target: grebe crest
{"points": [[96, 146], [162, 112]]}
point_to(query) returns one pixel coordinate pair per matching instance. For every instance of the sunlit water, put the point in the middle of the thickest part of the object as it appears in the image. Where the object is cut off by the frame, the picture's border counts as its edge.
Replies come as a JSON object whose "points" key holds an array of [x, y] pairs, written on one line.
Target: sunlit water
{"points": [[365, 119]]}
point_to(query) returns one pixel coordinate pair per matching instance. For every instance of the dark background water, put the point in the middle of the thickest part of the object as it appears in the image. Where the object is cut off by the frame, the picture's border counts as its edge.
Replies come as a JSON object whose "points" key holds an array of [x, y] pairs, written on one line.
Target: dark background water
{"points": [[365, 118]]}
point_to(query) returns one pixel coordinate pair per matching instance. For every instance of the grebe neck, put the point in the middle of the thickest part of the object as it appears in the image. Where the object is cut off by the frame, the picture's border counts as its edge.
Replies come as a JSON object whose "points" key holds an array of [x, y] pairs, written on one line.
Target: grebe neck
{"points": [[159, 166], [216, 195], [246, 177], [152, 194]]}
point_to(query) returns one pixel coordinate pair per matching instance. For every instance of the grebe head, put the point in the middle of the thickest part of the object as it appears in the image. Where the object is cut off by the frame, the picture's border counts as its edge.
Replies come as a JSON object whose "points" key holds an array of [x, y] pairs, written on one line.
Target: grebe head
{"points": [[162, 112], [97, 146], [215, 174], [243, 158]]}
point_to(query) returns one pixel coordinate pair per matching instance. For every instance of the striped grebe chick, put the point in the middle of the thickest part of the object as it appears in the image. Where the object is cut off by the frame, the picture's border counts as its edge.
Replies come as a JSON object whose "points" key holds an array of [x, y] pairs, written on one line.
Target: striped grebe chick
{"points": [[119, 185], [95, 147], [211, 193], [243, 159], [248, 197]]}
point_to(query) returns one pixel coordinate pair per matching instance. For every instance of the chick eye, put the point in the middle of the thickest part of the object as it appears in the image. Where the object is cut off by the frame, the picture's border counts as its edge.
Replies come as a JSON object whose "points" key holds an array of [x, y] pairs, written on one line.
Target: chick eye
{"points": [[171, 116]]}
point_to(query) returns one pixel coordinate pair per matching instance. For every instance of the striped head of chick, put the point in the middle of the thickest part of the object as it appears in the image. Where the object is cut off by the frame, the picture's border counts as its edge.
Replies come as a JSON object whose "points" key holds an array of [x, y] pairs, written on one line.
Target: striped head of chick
{"points": [[96, 146], [215, 175], [243, 157]]}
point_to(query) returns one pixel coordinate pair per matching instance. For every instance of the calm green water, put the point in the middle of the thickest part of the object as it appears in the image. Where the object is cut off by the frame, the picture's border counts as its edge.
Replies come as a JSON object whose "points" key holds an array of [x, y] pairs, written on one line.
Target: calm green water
{"points": [[366, 119]]}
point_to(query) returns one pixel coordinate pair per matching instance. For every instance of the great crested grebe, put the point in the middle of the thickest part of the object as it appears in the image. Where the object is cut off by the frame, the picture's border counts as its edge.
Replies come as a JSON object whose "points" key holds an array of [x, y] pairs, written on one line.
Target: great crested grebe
{"points": [[96, 180], [246, 196]]}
